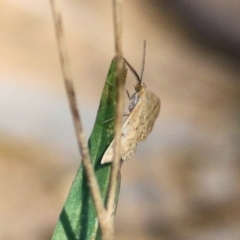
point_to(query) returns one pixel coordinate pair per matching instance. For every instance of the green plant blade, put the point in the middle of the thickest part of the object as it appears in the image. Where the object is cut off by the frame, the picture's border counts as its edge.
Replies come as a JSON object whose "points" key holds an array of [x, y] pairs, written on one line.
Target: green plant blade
{"points": [[78, 218]]}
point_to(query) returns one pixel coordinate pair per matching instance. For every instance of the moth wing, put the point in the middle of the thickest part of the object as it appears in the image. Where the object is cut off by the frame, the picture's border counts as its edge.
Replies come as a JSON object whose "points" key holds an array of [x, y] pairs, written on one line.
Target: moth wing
{"points": [[151, 112], [128, 139], [150, 107]]}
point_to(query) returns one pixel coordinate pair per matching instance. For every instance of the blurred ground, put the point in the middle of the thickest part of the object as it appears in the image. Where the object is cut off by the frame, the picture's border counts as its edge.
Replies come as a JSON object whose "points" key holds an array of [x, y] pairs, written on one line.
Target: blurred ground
{"points": [[183, 182]]}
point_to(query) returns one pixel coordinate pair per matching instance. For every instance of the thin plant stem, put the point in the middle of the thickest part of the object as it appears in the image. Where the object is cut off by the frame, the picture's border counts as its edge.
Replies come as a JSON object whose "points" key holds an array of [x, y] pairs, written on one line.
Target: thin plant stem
{"points": [[82, 143], [115, 171]]}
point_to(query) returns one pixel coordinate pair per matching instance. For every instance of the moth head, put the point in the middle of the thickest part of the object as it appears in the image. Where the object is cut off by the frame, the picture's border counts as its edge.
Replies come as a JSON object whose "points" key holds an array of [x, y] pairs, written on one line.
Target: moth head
{"points": [[139, 86]]}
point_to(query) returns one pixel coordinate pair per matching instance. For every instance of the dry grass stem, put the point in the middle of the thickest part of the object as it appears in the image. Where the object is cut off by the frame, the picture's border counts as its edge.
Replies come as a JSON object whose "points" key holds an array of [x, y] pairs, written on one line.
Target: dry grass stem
{"points": [[117, 14], [82, 143]]}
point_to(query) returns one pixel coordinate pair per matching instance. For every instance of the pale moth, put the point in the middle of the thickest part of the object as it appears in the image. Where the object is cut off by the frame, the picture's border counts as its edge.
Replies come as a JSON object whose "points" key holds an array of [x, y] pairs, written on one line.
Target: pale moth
{"points": [[144, 108]]}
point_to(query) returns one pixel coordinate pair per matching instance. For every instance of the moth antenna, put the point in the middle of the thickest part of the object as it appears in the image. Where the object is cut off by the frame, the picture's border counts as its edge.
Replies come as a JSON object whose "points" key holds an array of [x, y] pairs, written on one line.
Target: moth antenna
{"points": [[133, 71], [144, 57]]}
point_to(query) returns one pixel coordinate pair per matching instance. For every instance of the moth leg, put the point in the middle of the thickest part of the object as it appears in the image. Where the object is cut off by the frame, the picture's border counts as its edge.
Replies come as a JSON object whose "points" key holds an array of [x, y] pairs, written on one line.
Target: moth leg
{"points": [[124, 115], [129, 96], [108, 120], [110, 84]]}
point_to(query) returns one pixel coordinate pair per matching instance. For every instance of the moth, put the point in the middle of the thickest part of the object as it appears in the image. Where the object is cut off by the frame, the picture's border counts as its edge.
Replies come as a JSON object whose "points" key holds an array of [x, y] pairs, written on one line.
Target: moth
{"points": [[144, 109]]}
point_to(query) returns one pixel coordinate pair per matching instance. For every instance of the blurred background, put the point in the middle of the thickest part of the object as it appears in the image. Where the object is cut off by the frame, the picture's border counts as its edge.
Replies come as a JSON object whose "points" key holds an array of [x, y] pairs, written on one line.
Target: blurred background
{"points": [[183, 182]]}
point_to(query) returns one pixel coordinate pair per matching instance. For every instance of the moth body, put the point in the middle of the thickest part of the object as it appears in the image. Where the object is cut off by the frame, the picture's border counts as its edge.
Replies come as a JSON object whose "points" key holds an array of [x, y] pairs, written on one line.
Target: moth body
{"points": [[144, 108]]}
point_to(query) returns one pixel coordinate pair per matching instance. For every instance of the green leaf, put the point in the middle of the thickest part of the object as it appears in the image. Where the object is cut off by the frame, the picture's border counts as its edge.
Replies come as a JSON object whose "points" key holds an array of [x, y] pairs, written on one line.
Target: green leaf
{"points": [[78, 218]]}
